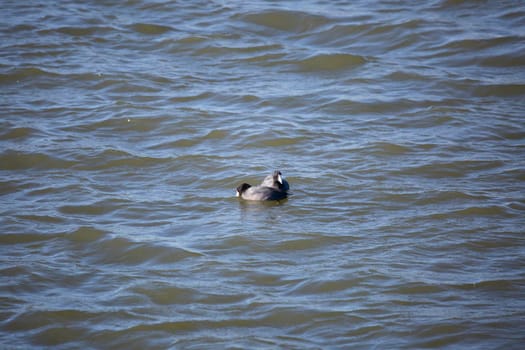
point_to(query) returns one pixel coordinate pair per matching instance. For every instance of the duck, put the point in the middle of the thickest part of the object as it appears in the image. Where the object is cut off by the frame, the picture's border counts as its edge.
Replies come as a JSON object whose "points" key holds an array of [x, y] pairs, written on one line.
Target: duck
{"points": [[273, 188]]}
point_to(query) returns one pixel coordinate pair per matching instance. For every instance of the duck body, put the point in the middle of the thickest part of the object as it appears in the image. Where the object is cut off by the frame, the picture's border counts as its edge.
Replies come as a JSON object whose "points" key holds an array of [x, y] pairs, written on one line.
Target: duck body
{"points": [[260, 193], [273, 187]]}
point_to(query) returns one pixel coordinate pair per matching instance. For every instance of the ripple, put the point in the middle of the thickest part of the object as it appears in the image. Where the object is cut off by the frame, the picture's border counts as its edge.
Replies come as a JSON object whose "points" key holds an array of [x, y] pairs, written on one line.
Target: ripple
{"points": [[485, 52], [450, 195], [92, 209], [18, 74], [17, 160], [482, 211], [506, 91], [168, 295], [14, 238], [41, 218], [118, 159], [330, 62], [78, 31], [85, 234], [39, 319], [288, 21], [460, 168], [18, 133], [150, 29], [491, 285], [55, 336], [389, 149], [117, 250]]}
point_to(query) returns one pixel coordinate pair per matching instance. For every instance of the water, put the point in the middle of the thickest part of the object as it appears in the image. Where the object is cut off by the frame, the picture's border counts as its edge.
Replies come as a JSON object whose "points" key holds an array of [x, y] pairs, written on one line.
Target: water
{"points": [[126, 128]]}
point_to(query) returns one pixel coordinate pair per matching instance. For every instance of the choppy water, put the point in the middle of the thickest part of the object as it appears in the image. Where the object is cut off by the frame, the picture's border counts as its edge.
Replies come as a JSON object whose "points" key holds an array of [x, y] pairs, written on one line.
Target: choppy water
{"points": [[126, 126]]}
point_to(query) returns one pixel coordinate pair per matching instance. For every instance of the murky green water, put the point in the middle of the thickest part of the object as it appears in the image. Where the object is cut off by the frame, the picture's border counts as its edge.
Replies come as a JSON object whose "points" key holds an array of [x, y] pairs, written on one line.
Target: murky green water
{"points": [[125, 129]]}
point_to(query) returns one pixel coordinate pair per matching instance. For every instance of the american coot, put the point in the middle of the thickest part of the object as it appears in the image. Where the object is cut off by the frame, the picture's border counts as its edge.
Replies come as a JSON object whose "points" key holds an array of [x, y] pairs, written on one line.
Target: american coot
{"points": [[273, 187], [276, 180]]}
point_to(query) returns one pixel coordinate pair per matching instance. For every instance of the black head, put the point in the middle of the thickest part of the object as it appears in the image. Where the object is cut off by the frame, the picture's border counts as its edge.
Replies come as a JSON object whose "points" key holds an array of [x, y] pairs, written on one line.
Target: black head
{"points": [[242, 188]]}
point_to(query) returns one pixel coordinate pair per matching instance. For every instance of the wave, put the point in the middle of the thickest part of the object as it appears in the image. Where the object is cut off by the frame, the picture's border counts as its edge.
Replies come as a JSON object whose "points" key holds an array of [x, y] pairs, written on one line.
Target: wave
{"points": [[16, 75], [19, 160], [330, 62], [286, 20], [150, 28], [123, 251]]}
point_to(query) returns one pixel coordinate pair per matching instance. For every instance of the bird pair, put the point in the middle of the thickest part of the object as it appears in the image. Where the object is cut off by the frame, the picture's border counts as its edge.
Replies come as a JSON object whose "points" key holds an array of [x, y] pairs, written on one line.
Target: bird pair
{"points": [[273, 187]]}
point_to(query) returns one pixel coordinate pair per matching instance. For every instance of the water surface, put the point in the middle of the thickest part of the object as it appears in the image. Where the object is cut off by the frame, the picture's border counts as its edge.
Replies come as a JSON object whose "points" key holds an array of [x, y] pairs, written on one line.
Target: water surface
{"points": [[125, 129]]}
